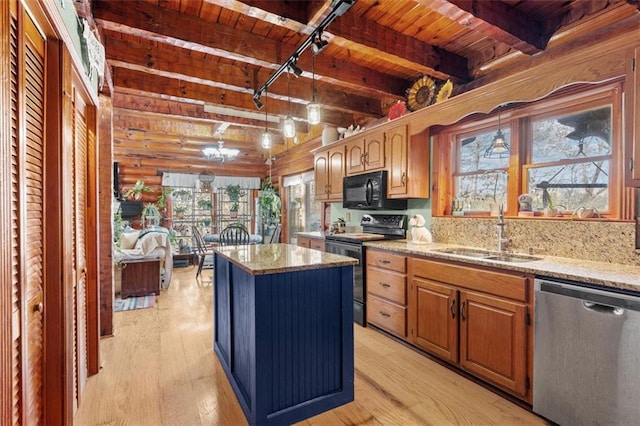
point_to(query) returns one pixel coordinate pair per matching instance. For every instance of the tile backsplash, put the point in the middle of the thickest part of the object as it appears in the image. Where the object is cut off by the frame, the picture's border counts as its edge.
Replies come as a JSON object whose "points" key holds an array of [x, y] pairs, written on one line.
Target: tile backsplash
{"points": [[613, 242]]}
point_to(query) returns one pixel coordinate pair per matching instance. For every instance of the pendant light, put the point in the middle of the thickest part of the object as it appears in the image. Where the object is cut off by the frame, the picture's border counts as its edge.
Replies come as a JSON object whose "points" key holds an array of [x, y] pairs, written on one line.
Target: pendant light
{"points": [[313, 107], [266, 136], [499, 147], [289, 128]]}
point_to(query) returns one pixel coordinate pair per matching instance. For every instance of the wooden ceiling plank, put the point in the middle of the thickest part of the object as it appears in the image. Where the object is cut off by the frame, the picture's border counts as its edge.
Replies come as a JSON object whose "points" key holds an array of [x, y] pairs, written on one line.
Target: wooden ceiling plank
{"points": [[495, 20], [178, 29]]}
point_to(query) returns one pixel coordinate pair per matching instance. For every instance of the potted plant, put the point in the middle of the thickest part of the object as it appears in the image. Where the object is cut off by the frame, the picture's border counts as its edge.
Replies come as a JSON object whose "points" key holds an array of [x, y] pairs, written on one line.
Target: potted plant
{"points": [[135, 192], [205, 204], [234, 192], [233, 211], [269, 203], [151, 215], [182, 194], [179, 211]]}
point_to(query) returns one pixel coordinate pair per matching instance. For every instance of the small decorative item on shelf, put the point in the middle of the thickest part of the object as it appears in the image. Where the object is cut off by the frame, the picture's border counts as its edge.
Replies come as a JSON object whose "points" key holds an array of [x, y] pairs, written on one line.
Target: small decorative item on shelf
{"points": [[234, 192], [397, 110], [421, 93], [445, 91]]}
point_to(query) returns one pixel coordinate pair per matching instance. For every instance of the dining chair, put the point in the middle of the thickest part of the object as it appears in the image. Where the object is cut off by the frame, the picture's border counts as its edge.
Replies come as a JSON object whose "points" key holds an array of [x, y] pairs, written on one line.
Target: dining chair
{"points": [[234, 234], [275, 237], [205, 254]]}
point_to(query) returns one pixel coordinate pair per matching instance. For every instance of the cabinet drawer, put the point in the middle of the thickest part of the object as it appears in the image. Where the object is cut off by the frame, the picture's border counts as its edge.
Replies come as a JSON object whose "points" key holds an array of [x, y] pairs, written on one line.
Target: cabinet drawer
{"points": [[387, 260], [387, 315], [387, 284], [316, 243], [493, 282]]}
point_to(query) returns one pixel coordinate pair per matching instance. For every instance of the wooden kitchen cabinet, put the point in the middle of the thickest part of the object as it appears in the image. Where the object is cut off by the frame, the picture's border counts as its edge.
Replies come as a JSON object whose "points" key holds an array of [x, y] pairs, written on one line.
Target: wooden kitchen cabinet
{"points": [[434, 318], [365, 153], [386, 280], [475, 318], [310, 242], [632, 118], [329, 172], [407, 163]]}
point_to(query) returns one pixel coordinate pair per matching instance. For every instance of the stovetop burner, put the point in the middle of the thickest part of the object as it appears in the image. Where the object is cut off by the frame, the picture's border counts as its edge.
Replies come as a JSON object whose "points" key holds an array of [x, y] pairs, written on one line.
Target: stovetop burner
{"points": [[376, 227]]}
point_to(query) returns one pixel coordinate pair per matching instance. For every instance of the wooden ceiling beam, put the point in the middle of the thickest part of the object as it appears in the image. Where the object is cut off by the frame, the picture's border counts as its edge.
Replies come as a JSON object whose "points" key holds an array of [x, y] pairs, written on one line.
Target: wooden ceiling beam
{"points": [[195, 166], [495, 20], [173, 87], [172, 27], [179, 64], [354, 32]]}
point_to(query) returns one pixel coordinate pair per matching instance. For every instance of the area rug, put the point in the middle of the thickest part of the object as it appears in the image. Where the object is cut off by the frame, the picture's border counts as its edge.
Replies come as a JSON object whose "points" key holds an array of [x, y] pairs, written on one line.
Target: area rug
{"points": [[131, 303]]}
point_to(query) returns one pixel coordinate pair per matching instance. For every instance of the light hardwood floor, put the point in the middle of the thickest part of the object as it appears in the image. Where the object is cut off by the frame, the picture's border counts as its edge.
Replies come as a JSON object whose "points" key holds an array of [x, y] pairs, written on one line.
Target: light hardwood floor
{"points": [[159, 369]]}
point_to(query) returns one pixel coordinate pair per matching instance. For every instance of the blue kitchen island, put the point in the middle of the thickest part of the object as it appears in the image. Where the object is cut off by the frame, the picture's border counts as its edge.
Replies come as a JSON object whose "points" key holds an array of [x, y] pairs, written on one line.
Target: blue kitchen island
{"points": [[283, 329]]}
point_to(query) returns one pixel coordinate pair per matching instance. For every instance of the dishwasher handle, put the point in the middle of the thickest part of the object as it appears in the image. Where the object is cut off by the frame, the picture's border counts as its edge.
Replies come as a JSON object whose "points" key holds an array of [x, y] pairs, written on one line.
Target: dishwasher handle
{"points": [[603, 309]]}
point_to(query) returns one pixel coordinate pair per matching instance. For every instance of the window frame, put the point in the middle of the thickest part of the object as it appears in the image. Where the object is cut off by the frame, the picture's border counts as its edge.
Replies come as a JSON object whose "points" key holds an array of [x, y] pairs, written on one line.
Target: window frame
{"points": [[519, 119]]}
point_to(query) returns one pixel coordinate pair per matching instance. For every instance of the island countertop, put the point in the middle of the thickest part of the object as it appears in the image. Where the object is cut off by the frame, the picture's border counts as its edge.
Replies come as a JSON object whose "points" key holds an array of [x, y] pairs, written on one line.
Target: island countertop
{"points": [[261, 259]]}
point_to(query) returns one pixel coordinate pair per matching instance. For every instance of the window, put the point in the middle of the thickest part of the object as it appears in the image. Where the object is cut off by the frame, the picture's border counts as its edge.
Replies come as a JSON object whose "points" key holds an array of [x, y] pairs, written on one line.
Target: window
{"points": [[564, 151], [479, 180], [304, 212], [571, 160]]}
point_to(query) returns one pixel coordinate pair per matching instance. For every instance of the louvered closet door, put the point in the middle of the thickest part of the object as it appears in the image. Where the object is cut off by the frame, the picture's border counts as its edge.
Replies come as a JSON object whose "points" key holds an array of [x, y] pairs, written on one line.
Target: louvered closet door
{"points": [[27, 137], [80, 214]]}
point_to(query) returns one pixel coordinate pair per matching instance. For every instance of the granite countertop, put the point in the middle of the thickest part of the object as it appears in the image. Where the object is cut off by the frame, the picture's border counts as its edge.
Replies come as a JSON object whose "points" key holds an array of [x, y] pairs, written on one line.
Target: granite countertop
{"points": [[261, 259], [586, 271], [312, 234]]}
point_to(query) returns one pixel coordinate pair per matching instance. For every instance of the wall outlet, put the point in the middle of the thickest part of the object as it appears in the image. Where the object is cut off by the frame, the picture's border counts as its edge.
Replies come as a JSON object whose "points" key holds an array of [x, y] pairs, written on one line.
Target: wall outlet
{"points": [[348, 216]]}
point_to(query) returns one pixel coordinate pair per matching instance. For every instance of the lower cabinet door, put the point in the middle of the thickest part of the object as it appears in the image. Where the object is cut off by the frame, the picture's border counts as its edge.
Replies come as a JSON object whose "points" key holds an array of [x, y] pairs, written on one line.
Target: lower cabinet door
{"points": [[493, 340], [434, 318]]}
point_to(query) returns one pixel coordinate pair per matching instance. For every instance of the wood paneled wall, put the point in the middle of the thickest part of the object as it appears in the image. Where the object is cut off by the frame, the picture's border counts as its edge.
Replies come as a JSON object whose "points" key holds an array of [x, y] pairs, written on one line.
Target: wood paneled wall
{"points": [[105, 220]]}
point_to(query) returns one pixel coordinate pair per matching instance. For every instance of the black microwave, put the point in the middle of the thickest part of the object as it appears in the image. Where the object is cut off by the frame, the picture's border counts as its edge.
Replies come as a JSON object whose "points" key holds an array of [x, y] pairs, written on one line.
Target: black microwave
{"points": [[369, 192]]}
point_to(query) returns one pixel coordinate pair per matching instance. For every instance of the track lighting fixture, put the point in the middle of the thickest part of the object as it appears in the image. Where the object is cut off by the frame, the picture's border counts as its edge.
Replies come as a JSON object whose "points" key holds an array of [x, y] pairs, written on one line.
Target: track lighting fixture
{"points": [[293, 68], [318, 44], [338, 8]]}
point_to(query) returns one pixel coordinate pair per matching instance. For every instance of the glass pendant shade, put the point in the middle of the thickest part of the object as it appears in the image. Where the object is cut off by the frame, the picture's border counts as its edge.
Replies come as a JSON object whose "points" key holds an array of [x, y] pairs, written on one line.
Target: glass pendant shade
{"points": [[266, 140], [498, 148], [313, 112], [289, 128]]}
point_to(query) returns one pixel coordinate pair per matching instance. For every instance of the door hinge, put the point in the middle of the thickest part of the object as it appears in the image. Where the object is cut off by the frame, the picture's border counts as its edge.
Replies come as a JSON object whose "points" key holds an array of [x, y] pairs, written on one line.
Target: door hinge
{"points": [[527, 318], [527, 383]]}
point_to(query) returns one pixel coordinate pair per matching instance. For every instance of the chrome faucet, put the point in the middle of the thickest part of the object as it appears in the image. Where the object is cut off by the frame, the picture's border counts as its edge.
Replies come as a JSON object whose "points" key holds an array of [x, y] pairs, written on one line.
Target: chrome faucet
{"points": [[502, 240]]}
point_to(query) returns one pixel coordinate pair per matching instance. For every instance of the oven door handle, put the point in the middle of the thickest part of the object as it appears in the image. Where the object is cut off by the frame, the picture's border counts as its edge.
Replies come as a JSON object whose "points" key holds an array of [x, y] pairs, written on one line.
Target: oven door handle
{"points": [[369, 192]]}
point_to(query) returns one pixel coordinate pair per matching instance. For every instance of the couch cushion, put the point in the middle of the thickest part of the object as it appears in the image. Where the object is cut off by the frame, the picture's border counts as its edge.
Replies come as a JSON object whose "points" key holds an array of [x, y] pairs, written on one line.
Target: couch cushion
{"points": [[128, 240]]}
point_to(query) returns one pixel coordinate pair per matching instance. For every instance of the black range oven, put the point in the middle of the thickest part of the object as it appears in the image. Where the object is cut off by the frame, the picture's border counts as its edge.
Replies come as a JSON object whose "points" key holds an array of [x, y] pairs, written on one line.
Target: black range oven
{"points": [[374, 227]]}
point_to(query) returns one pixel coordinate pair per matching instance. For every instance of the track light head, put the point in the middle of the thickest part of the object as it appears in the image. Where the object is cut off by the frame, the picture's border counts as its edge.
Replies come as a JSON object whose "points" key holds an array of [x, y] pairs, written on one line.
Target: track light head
{"points": [[318, 45], [256, 100], [295, 69]]}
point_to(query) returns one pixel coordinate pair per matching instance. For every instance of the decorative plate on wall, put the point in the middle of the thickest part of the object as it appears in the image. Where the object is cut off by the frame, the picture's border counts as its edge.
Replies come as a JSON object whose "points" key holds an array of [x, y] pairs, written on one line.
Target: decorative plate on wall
{"points": [[445, 91], [421, 93], [397, 110]]}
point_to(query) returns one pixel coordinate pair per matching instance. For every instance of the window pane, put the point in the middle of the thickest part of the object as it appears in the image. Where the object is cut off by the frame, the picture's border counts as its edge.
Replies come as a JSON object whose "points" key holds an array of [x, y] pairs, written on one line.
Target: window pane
{"points": [[571, 185], [479, 190], [584, 134], [471, 151]]}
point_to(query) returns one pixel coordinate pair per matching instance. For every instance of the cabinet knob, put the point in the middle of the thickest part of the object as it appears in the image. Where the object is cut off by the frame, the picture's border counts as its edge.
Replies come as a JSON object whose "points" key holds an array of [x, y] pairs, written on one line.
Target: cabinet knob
{"points": [[452, 308], [462, 317], [385, 285], [404, 179], [384, 314]]}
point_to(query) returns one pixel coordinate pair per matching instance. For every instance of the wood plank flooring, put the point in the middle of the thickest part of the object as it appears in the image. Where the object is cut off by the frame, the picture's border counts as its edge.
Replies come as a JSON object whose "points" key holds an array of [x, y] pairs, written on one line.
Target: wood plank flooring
{"points": [[159, 369]]}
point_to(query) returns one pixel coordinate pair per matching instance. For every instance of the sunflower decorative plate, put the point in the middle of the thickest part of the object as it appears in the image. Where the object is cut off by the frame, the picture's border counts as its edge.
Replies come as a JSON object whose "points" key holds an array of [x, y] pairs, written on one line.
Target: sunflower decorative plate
{"points": [[421, 93], [445, 91]]}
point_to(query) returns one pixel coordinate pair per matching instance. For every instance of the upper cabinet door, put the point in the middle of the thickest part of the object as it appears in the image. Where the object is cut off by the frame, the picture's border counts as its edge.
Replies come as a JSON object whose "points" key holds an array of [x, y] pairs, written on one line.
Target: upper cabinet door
{"points": [[397, 152], [374, 151], [632, 119], [355, 157], [321, 169]]}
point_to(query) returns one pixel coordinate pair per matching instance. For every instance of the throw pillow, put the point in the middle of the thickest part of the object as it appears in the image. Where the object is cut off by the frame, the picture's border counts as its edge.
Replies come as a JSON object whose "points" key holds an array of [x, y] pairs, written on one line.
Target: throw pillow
{"points": [[128, 240]]}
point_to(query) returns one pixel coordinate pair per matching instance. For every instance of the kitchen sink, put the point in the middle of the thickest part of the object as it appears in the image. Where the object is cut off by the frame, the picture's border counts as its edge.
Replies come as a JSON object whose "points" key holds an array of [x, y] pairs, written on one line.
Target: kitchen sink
{"points": [[489, 255]]}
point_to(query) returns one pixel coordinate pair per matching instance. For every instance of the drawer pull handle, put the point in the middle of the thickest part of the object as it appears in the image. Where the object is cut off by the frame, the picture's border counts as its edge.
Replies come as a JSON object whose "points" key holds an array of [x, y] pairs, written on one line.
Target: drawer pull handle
{"points": [[385, 285], [384, 262], [452, 308], [462, 317], [384, 314]]}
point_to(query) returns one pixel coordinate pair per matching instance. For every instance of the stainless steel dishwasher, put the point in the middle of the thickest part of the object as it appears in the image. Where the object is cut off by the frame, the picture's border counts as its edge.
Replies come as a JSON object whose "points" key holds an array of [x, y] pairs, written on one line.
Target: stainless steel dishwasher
{"points": [[586, 355]]}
